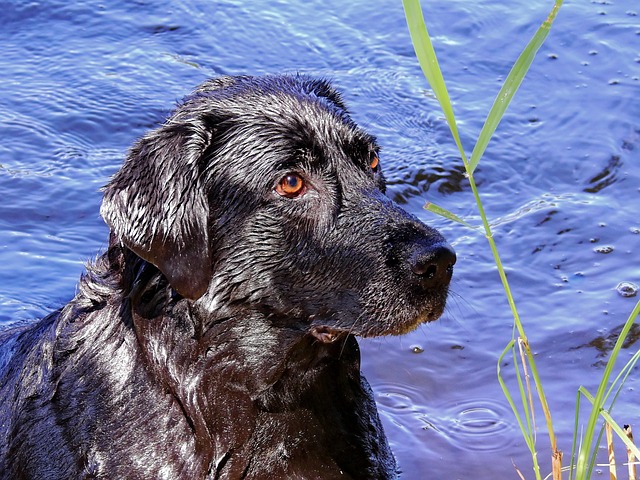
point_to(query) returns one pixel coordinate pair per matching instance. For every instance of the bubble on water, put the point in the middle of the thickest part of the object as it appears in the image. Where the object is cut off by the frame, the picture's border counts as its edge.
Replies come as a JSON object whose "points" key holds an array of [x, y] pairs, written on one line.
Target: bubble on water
{"points": [[635, 230], [417, 349], [603, 249], [627, 289]]}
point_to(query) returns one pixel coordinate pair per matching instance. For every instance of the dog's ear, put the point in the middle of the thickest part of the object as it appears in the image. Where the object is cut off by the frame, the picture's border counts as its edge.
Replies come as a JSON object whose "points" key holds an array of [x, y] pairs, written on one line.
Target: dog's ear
{"points": [[156, 204]]}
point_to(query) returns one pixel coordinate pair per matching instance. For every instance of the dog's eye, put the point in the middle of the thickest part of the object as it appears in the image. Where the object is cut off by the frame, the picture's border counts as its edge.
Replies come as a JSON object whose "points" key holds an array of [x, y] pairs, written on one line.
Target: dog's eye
{"points": [[374, 161], [291, 186]]}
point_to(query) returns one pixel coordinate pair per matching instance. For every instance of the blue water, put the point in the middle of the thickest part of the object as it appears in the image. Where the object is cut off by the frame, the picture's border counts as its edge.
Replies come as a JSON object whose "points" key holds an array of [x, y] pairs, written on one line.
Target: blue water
{"points": [[79, 82]]}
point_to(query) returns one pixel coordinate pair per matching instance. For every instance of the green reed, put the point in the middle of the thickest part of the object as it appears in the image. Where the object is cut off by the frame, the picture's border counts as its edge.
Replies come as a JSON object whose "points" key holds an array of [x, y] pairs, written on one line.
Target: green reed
{"points": [[523, 359]]}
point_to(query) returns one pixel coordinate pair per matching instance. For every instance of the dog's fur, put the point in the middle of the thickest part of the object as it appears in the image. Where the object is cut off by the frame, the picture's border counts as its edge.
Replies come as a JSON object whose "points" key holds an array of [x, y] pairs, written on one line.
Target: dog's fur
{"points": [[215, 336]]}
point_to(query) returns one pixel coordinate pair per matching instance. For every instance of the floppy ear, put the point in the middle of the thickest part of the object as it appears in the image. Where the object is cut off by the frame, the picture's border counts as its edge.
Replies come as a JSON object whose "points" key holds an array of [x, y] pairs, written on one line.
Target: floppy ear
{"points": [[156, 204]]}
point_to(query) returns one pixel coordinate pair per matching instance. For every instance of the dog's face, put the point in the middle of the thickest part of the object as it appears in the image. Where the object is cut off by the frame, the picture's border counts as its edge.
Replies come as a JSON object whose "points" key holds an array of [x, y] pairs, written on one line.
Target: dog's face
{"points": [[261, 193]]}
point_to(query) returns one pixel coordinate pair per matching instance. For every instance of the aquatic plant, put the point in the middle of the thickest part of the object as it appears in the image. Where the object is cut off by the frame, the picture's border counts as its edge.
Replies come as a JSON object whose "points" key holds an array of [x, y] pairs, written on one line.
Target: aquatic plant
{"points": [[584, 448]]}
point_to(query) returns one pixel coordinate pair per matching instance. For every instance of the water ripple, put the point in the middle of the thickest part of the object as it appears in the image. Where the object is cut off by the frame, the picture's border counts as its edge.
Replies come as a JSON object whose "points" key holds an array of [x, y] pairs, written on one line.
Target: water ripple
{"points": [[480, 424], [477, 424]]}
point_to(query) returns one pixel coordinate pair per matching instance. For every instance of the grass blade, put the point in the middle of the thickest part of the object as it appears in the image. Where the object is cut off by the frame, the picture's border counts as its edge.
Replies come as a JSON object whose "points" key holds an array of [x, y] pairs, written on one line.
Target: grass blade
{"points": [[612, 423], [429, 64], [528, 436], [510, 86], [620, 432], [507, 394], [446, 214], [576, 426], [622, 378]]}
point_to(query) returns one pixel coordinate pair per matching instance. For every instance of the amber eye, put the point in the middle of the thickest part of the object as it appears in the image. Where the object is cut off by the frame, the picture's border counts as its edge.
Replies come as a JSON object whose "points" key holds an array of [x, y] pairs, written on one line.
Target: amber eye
{"points": [[291, 186], [374, 161]]}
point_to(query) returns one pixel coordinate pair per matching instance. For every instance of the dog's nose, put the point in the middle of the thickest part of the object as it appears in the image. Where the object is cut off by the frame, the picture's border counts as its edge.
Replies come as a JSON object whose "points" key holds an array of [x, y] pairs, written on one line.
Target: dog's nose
{"points": [[433, 263]]}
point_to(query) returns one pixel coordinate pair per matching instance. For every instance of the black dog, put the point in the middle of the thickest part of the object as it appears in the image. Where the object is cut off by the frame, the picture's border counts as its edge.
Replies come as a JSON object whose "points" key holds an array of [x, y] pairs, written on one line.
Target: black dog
{"points": [[251, 240]]}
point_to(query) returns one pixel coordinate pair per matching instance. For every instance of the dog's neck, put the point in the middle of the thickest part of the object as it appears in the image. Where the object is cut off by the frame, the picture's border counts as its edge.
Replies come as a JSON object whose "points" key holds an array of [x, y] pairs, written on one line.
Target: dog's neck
{"points": [[253, 397]]}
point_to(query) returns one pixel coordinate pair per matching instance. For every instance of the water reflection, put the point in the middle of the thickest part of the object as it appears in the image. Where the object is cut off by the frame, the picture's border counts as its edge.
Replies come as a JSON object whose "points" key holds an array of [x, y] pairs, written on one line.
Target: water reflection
{"points": [[608, 176], [422, 181], [605, 343]]}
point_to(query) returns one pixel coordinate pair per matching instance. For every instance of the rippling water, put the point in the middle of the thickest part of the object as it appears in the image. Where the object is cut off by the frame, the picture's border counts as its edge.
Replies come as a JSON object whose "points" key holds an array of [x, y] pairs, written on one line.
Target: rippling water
{"points": [[560, 179]]}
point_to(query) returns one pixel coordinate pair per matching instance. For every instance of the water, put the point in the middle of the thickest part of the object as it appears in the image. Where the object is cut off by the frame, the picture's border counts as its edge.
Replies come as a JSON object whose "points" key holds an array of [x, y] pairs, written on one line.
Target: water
{"points": [[81, 81]]}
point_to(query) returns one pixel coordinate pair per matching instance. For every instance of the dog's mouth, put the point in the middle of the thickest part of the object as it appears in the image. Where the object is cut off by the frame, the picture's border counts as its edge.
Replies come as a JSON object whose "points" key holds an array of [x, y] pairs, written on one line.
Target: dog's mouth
{"points": [[326, 334], [329, 334]]}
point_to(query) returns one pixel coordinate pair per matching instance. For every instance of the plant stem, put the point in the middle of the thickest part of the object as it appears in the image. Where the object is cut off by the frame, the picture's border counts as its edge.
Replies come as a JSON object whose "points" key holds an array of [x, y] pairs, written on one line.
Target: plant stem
{"points": [[516, 316]]}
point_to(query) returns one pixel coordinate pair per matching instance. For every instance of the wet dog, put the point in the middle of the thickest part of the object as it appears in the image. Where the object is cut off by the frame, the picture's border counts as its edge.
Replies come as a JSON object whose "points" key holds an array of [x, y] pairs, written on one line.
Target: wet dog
{"points": [[251, 241]]}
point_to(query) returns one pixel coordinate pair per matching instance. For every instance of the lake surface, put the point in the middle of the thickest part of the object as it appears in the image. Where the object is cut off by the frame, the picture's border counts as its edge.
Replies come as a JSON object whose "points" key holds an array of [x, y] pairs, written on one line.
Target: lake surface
{"points": [[80, 81]]}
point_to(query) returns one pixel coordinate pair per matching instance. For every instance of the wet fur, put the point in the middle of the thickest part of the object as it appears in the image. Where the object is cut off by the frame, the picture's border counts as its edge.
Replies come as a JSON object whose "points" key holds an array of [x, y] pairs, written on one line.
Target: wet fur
{"points": [[215, 338]]}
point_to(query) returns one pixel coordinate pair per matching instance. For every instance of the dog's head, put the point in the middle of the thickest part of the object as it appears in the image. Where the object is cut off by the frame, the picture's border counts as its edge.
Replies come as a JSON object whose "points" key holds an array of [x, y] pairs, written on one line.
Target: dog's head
{"points": [[261, 193]]}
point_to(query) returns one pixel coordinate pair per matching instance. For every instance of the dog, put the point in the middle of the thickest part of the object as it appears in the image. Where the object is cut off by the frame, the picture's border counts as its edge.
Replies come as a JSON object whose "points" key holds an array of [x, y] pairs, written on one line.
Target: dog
{"points": [[250, 243]]}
